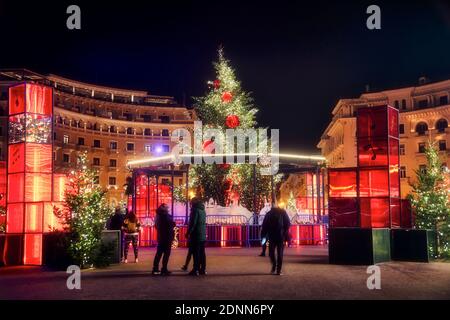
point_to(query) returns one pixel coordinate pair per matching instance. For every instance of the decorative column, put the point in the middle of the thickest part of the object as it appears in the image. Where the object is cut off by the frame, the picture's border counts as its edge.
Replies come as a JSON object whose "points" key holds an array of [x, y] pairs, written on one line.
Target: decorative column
{"points": [[364, 202], [30, 166]]}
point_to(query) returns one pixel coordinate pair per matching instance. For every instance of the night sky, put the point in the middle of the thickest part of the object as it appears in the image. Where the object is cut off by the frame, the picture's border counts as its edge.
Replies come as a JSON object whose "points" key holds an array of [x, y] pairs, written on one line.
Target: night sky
{"points": [[296, 58]]}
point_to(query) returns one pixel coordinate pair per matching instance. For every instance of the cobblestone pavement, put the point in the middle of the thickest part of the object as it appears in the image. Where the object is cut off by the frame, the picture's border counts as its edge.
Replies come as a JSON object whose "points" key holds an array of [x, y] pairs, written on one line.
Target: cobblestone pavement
{"points": [[234, 273]]}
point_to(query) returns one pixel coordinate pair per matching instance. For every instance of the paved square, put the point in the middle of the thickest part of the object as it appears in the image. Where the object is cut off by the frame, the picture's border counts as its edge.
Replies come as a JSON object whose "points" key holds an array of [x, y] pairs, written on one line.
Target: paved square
{"points": [[234, 273]]}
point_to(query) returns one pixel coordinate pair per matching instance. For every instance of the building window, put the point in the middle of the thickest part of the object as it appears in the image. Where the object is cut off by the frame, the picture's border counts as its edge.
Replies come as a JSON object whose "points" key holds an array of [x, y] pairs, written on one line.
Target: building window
{"points": [[147, 118], [421, 128], [128, 115], [96, 180], [403, 104], [402, 172], [421, 104], [96, 161], [423, 168], [402, 149], [112, 181], [66, 158], [165, 132], [113, 145], [147, 132], [129, 130], [1, 131], [80, 141], [65, 139], [97, 144], [164, 119], [112, 129], [130, 146], [112, 163], [401, 128], [165, 148], [441, 125], [443, 100], [442, 145], [396, 104], [422, 147], [148, 148]]}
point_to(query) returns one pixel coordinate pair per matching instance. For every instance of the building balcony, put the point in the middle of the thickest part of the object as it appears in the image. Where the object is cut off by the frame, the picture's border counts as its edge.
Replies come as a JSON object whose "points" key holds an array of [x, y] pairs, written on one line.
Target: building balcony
{"points": [[82, 147], [97, 149], [65, 146], [113, 151]]}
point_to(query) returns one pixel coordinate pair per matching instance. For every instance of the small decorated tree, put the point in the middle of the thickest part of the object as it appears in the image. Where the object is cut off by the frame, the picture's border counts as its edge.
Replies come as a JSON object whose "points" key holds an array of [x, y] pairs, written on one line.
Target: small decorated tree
{"points": [[291, 203], [84, 213], [430, 201]]}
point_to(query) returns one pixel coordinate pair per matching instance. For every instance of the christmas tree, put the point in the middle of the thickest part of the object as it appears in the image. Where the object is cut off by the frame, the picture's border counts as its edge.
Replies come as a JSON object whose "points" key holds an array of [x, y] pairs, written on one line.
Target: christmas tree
{"points": [[227, 106], [84, 214], [430, 199]]}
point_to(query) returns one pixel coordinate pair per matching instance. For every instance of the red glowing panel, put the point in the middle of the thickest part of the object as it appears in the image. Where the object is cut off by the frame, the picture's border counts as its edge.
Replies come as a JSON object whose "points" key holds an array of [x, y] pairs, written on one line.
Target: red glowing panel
{"points": [[342, 183], [16, 184], [39, 158], [3, 183], [372, 152], [39, 99], [14, 218], [394, 181], [343, 212], [38, 187], [59, 187], [51, 222], [141, 207], [393, 122], [372, 122], [373, 183], [17, 99], [33, 249], [16, 158], [395, 213], [230, 236], [374, 212], [147, 236], [393, 151], [33, 217]]}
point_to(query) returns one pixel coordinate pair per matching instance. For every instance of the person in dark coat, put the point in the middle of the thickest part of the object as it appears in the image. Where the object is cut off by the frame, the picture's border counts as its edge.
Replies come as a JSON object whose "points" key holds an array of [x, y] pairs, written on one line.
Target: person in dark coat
{"points": [[165, 232], [115, 223], [197, 236], [116, 220], [275, 229]]}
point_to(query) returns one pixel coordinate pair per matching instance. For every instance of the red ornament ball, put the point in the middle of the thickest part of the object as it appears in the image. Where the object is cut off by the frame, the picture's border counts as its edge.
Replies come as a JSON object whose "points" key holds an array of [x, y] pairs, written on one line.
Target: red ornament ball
{"points": [[226, 97], [209, 146], [224, 166], [216, 84], [232, 121]]}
